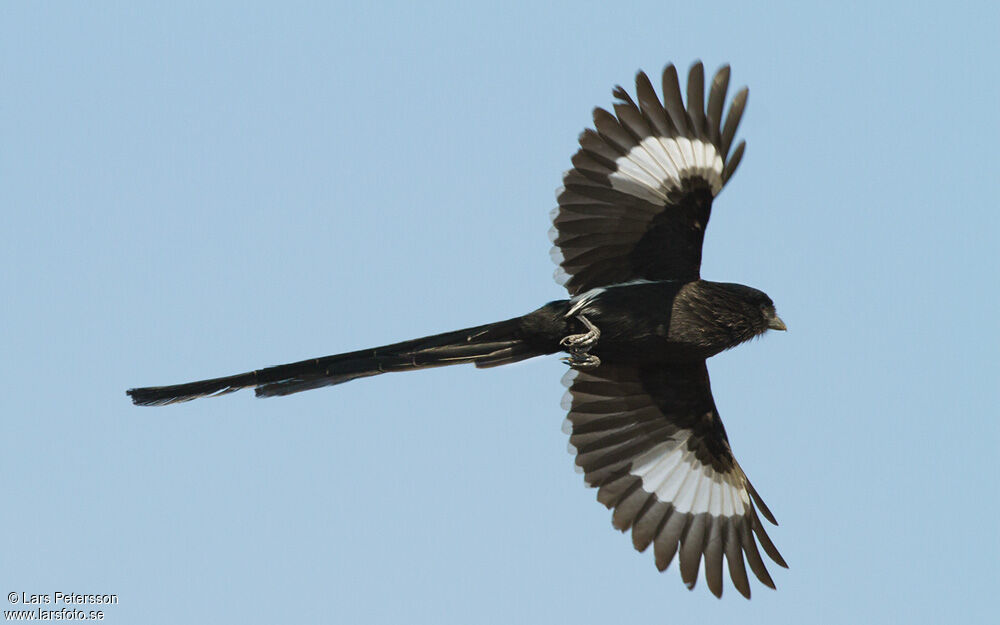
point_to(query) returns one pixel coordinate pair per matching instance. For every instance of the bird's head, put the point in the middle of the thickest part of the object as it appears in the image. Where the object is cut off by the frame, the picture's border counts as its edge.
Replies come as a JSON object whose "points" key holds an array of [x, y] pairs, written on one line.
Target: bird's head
{"points": [[770, 316], [758, 308], [725, 314]]}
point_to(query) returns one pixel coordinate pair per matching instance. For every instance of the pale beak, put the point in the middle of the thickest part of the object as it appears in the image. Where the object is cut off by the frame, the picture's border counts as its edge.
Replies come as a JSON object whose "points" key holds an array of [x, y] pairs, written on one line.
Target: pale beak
{"points": [[777, 324]]}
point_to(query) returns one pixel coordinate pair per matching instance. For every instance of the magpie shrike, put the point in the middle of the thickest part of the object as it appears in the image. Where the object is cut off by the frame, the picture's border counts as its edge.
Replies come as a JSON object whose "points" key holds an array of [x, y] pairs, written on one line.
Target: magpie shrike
{"points": [[637, 329]]}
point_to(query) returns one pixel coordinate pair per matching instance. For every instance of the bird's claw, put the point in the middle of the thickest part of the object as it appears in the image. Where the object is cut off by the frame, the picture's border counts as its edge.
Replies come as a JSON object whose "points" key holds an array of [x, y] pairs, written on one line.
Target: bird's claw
{"points": [[582, 342], [582, 361], [579, 346]]}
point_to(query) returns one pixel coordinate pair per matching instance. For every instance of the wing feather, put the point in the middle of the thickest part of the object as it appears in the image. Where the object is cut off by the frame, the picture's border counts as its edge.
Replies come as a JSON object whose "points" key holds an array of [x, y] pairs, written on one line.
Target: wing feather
{"points": [[649, 438], [646, 175]]}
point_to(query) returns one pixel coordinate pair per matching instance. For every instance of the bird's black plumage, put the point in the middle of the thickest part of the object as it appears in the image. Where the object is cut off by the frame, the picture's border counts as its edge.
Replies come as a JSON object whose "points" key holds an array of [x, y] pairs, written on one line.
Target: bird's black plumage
{"points": [[638, 328]]}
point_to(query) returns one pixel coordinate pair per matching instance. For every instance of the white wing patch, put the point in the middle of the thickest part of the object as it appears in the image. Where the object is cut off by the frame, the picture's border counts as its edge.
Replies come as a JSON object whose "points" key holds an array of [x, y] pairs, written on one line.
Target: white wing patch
{"points": [[581, 301], [673, 473], [658, 165], [578, 302]]}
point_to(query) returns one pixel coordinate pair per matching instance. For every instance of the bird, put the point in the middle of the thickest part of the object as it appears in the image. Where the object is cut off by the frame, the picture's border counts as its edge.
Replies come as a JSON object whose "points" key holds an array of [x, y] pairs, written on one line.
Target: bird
{"points": [[636, 330]]}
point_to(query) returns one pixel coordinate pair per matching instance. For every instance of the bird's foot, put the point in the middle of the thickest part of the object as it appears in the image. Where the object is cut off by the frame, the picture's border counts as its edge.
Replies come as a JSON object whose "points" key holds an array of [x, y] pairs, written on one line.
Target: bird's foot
{"points": [[582, 361], [579, 346], [582, 342]]}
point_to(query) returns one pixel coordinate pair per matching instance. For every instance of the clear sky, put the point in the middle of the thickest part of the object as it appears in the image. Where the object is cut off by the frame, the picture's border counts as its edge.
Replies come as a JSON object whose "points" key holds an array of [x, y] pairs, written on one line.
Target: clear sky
{"points": [[190, 191]]}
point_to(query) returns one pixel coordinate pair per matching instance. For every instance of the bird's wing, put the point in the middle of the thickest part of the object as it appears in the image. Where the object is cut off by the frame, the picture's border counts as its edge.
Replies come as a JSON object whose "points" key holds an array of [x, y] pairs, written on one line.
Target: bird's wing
{"points": [[636, 203], [650, 439]]}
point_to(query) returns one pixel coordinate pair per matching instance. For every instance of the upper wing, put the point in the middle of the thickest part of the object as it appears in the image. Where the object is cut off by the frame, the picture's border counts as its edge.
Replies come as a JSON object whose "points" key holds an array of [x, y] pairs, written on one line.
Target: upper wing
{"points": [[636, 203], [651, 440]]}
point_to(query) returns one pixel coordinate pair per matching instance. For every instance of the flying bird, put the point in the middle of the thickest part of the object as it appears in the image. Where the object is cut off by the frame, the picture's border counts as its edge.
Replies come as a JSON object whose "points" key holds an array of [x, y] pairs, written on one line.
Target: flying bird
{"points": [[637, 329]]}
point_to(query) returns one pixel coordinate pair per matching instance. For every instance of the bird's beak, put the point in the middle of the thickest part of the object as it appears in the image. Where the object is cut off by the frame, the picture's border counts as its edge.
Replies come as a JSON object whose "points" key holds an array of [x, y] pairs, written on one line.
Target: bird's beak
{"points": [[777, 324]]}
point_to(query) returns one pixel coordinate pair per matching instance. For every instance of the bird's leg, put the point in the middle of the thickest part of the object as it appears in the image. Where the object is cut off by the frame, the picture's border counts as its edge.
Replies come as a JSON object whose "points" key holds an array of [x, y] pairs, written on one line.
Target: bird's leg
{"points": [[579, 346]]}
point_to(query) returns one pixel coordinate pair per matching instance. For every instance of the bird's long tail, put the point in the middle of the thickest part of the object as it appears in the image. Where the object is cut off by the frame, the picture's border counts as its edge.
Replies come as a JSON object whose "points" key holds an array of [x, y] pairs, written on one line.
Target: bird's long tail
{"points": [[486, 346]]}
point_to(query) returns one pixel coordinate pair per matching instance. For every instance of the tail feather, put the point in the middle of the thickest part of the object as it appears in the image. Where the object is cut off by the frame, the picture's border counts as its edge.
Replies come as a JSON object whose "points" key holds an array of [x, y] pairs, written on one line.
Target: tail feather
{"points": [[486, 346], [347, 370], [163, 395]]}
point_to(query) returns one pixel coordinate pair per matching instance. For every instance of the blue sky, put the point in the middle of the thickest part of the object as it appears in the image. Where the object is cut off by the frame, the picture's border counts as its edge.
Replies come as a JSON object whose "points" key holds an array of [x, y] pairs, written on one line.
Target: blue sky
{"points": [[192, 191]]}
